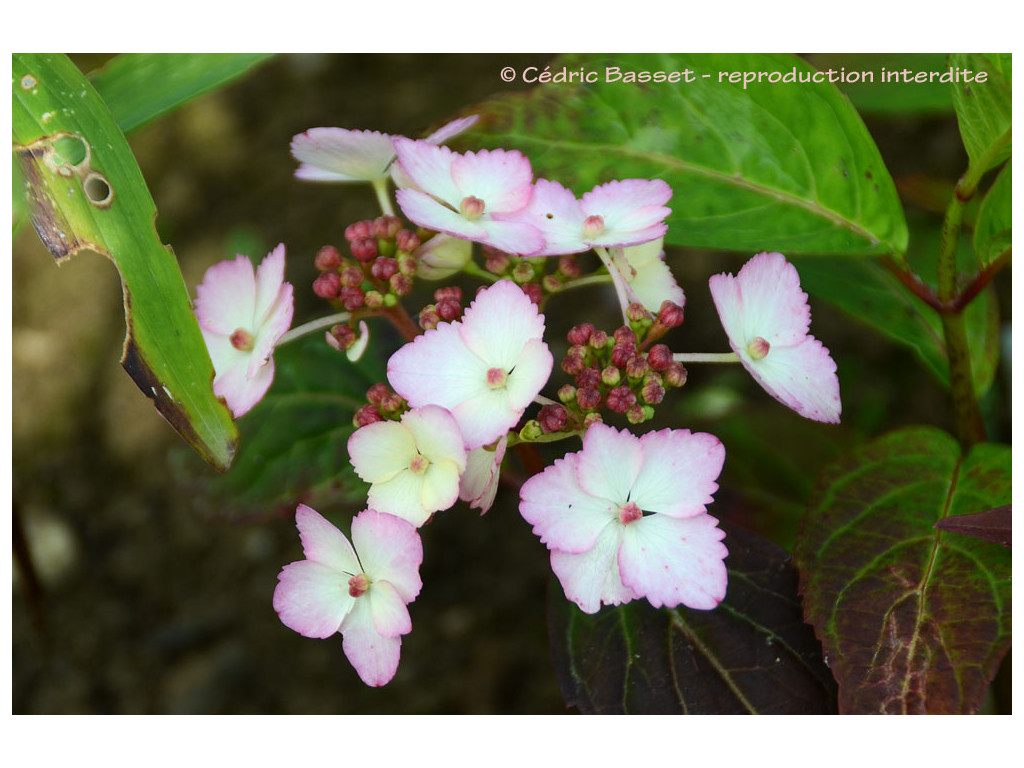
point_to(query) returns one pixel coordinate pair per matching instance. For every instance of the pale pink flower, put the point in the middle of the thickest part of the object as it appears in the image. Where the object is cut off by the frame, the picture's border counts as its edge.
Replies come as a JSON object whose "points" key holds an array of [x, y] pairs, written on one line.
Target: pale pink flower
{"points": [[626, 518], [641, 276], [479, 484], [613, 215], [469, 196], [361, 592], [413, 465], [242, 315], [485, 369], [766, 317]]}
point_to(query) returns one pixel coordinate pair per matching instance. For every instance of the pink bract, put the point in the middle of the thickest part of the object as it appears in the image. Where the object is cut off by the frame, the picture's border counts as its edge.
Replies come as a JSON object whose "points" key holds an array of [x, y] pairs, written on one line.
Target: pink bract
{"points": [[359, 591], [767, 318], [242, 314], [626, 518], [485, 369], [474, 196]]}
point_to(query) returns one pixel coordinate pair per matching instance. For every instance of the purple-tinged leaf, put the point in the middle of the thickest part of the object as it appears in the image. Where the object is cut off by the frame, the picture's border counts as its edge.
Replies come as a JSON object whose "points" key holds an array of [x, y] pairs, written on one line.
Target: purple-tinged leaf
{"points": [[752, 654], [990, 525], [912, 619]]}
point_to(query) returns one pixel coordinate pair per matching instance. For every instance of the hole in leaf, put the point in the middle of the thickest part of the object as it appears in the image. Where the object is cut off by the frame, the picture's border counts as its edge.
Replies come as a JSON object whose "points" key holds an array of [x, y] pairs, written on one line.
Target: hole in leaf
{"points": [[98, 190], [71, 149]]}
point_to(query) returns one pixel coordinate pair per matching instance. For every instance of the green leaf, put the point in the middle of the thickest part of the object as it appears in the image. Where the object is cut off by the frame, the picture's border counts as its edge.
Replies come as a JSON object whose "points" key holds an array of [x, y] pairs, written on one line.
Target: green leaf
{"points": [[913, 620], [869, 292], [993, 230], [138, 87], [870, 83], [783, 166], [752, 654], [984, 109], [86, 191], [295, 442]]}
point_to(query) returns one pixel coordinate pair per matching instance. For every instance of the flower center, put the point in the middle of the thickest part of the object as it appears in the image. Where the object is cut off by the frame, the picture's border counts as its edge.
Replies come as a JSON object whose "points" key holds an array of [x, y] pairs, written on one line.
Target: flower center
{"points": [[593, 226], [629, 513], [496, 378], [358, 585], [758, 348], [419, 465], [472, 207], [242, 340]]}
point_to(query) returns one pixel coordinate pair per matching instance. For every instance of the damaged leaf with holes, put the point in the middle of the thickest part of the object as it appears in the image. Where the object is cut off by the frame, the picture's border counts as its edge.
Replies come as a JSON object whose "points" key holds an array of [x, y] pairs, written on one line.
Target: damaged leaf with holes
{"points": [[86, 192]]}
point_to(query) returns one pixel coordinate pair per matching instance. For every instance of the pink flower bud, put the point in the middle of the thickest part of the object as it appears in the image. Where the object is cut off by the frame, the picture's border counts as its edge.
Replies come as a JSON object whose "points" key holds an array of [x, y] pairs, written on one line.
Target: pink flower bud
{"points": [[593, 227], [352, 276], [352, 298], [407, 241], [368, 414], [341, 337], [533, 291], [327, 258], [497, 262], [523, 272], [652, 393], [670, 315], [621, 399], [659, 357], [588, 398], [448, 292], [551, 283], [365, 248], [373, 299], [626, 336], [327, 285], [567, 393], [588, 377], [580, 334], [472, 207], [598, 340], [636, 313], [569, 268], [407, 265], [400, 284], [386, 227], [358, 230], [574, 362], [636, 414], [449, 309], [377, 393], [621, 353], [552, 418], [383, 268], [674, 375], [611, 376], [637, 367]]}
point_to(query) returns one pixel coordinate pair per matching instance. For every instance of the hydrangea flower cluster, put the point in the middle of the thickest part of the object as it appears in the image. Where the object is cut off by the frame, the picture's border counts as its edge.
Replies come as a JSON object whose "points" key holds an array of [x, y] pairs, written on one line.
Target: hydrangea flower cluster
{"points": [[626, 516]]}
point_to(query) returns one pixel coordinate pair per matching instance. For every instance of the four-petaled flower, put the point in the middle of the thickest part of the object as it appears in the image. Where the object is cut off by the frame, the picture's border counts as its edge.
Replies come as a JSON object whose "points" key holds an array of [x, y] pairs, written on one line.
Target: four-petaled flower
{"points": [[766, 317], [242, 315], [626, 518], [485, 369], [413, 465], [361, 592], [474, 196]]}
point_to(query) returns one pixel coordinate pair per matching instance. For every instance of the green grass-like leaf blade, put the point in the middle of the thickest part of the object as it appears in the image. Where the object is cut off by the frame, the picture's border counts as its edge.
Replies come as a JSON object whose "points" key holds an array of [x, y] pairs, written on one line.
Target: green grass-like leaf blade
{"points": [[783, 166], [912, 619], [86, 191], [984, 110], [139, 87]]}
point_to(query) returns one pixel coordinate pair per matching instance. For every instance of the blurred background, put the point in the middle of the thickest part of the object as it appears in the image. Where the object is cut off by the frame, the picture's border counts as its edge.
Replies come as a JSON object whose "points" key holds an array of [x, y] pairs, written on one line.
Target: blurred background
{"points": [[149, 600]]}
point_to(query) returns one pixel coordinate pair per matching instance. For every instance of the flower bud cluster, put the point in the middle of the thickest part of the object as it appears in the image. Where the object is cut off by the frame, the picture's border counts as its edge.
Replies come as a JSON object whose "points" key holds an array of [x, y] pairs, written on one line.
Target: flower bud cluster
{"points": [[380, 269], [614, 371], [446, 308], [531, 274], [384, 405]]}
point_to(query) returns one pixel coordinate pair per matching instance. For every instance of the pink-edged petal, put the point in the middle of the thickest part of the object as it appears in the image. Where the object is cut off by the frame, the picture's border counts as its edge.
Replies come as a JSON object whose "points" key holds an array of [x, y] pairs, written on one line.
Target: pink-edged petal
{"points": [[633, 210], [499, 322], [226, 297], [725, 292], [402, 496], [486, 417], [515, 237], [671, 561], [273, 327], [381, 450], [429, 167], [609, 463], [428, 212], [452, 129], [241, 391], [224, 356], [529, 375], [323, 543], [503, 179], [437, 368], [436, 434], [338, 154], [679, 472], [374, 657], [592, 578], [802, 377], [479, 483], [269, 279], [556, 213], [774, 306], [390, 549], [390, 616], [562, 514], [312, 599]]}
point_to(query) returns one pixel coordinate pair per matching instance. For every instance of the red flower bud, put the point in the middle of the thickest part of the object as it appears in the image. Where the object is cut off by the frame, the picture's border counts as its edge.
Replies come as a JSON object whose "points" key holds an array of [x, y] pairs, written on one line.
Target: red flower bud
{"points": [[670, 315], [364, 248], [580, 334], [358, 230], [552, 418], [327, 285], [327, 258], [588, 398], [659, 357], [621, 399]]}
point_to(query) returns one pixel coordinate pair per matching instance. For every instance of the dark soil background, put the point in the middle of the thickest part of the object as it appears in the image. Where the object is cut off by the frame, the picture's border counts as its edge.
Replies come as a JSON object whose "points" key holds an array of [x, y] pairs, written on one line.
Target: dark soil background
{"points": [[151, 602]]}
